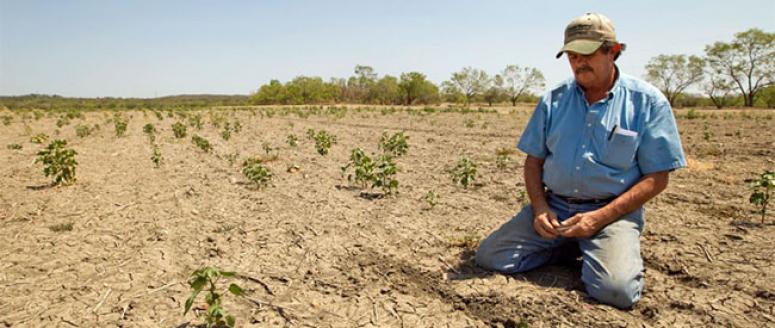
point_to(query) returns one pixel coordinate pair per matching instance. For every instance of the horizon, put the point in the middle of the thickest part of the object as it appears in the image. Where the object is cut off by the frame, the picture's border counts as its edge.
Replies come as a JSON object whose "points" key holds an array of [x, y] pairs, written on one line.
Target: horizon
{"points": [[87, 49]]}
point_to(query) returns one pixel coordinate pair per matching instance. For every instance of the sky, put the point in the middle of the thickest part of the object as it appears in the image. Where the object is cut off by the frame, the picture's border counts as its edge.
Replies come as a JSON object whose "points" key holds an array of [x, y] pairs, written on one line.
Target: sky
{"points": [[146, 48]]}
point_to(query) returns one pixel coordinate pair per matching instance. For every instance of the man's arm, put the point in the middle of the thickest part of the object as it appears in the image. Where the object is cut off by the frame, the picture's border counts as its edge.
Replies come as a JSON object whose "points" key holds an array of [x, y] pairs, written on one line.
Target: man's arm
{"points": [[585, 225], [544, 220]]}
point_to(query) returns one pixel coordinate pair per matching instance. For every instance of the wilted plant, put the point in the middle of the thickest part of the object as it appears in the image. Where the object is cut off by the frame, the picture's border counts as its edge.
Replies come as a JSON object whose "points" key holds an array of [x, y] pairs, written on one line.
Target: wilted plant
{"points": [[202, 143], [292, 140], [762, 188], [208, 277], [59, 162], [464, 172], [156, 156], [323, 142], [256, 172], [39, 138], [179, 130], [394, 145], [82, 131]]}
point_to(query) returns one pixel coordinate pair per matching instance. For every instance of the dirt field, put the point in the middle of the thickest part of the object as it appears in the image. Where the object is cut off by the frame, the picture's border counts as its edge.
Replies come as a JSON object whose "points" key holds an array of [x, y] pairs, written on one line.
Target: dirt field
{"points": [[314, 251]]}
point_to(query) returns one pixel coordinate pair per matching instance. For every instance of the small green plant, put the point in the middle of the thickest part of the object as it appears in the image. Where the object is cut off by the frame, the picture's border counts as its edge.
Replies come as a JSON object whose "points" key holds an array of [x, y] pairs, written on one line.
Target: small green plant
{"points": [[226, 133], [431, 198], [237, 126], [83, 131], [324, 141], [363, 168], [256, 172], [202, 143], [120, 124], [7, 119], [394, 145], [502, 161], [179, 130], [14, 146], [149, 130], [195, 121], [384, 177], [156, 156], [159, 115], [464, 172], [208, 277], [59, 162], [310, 134], [469, 123], [762, 188], [707, 133], [267, 148], [292, 140], [62, 121], [39, 138]]}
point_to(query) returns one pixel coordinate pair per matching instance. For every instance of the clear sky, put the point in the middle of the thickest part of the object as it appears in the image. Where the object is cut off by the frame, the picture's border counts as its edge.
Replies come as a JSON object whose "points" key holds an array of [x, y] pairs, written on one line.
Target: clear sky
{"points": [[149, 48]]}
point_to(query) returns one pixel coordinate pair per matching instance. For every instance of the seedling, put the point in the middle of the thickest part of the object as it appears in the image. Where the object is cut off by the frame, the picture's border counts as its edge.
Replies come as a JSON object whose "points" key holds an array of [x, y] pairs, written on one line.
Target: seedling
{"points": [[267, 148], [226, 133], [195, 121], [156, 156], [310, 134], [179, 130], [386, 171], [394, 145], [82, 131], [324, 141], [209, 276], [256, 172], [292, 140], [363, 168], [431, 198], [706, 132], [39, 138], [59, 162], [202, 143], [762, 188], [14, 146], [502, 161], [464, 172]]}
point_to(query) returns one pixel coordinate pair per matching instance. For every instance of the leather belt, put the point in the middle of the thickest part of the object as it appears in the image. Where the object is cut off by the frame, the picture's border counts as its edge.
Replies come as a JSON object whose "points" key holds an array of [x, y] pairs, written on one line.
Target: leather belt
{"points": [[580, 201]]}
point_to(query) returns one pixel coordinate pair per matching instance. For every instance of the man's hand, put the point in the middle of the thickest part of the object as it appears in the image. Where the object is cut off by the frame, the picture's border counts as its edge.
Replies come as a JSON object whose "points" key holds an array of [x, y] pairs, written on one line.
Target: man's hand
{"points": [[581, 225], [545, 222]]}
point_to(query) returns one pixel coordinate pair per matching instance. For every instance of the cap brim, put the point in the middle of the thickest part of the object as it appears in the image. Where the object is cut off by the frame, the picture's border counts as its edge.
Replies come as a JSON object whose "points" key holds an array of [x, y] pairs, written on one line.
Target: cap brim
{"points": [[584, 47]]}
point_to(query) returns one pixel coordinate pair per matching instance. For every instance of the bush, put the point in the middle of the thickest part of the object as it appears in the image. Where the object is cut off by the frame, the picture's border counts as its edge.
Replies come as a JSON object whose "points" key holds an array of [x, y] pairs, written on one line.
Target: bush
{"points": [[256, 172], [59, 162], [179, 130], [82, 131], [202, 143]]}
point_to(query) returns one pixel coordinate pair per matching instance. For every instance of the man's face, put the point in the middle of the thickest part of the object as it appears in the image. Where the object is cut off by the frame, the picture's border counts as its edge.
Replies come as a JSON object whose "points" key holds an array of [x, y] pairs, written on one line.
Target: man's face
{"points": [[592, 71]]}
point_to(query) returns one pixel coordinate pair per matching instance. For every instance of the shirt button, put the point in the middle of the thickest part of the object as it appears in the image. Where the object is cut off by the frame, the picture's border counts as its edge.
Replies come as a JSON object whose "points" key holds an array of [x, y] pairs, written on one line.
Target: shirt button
{"points": [[583, 146], [589, 124], [578, 168], [575, 190]]}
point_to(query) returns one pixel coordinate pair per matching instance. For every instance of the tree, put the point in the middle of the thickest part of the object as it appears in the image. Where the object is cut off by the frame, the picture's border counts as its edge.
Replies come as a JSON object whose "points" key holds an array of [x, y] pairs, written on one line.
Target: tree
{"points": [[672, 74], [718, 89], [748, 61], [415, 88], [387, 91], [360, 86], [494, 90], [307, 90], [470, 82], [521, 80], [272, 93]]}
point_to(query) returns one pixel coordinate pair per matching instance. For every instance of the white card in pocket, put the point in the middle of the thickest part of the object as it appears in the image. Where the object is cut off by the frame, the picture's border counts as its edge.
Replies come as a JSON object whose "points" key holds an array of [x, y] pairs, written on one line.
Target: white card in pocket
{"points": [[623, 132]]}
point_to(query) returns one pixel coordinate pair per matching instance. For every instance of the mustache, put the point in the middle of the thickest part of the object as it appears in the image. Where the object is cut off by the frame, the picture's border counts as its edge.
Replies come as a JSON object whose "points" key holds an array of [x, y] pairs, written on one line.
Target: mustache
{"points": [[583, 69]]}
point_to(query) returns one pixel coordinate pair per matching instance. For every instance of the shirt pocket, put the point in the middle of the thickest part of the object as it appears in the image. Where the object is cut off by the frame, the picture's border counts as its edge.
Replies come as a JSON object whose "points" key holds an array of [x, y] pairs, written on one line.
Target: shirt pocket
{"points": [[621, 148]]}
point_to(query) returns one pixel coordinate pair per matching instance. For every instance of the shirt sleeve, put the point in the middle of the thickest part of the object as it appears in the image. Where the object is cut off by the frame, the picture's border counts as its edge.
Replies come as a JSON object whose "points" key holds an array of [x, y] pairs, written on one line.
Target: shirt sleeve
{"points": [[533, 139], [660, 145]]}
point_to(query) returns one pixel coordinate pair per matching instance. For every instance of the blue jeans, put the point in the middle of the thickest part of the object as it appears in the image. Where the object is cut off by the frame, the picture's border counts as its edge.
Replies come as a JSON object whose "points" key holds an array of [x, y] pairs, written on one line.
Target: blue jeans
{"points": [[612, 269]]}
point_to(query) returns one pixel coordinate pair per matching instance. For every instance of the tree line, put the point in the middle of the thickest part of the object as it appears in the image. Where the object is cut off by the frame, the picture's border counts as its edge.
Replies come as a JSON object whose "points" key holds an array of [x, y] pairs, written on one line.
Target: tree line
{"points": [[742, 70]]}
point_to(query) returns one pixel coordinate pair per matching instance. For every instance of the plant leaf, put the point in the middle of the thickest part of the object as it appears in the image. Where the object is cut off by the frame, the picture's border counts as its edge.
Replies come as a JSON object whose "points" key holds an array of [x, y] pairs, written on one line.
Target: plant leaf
{"points": [[236, 290]]}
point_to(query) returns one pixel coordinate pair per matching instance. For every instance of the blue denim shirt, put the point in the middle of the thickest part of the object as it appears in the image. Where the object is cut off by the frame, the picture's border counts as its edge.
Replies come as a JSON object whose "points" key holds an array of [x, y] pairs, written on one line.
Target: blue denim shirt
{"points": [[599, 151]]}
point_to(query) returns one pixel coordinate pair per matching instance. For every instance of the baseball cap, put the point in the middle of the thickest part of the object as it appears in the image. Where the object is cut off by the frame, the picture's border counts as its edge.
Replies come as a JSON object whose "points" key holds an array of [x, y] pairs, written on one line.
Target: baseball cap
{"points": [[586, 33]]}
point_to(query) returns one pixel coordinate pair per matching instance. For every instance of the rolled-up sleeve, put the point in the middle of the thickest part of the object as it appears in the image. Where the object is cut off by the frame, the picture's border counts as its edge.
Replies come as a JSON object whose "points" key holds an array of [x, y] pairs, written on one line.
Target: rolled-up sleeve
{"points": [[660, 145], [533, 139]]}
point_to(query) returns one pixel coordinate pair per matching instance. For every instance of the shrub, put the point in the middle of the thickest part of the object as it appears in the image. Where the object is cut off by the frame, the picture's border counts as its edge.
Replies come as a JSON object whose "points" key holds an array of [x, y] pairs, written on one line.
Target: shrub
{"points": [[120, 124], [394, 145], [464, 172], [59, 162], [179, 130], [82, 131], [215, 315]]}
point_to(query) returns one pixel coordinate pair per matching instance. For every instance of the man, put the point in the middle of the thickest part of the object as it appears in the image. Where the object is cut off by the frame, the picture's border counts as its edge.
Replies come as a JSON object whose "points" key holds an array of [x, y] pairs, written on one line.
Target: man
{"points": [[598, 147]]}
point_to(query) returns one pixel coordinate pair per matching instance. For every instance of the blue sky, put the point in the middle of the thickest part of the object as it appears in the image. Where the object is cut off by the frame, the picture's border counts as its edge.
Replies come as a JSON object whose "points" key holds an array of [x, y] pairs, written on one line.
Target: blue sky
{"points": [[156, 48]]}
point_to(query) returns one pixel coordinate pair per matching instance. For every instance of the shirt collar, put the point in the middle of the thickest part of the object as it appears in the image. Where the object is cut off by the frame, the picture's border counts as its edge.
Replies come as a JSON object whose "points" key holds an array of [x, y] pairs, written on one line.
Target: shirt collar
{"points": [[610, 91]]}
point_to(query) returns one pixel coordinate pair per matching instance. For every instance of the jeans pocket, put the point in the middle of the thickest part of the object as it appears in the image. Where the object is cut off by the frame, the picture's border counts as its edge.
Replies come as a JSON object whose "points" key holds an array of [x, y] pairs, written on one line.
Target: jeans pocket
{"points": [[620, 151]]}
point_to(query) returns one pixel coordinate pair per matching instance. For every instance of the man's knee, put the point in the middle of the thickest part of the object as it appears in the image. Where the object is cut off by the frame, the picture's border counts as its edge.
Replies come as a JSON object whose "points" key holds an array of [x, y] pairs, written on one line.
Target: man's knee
{"points": [[494, 257], [620, 292]]}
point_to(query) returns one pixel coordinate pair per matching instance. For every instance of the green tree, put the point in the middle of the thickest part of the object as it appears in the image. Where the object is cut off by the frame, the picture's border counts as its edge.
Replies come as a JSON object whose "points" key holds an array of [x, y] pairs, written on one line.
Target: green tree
{"points": [[416, 89], [494, 91], [748, 61], [469, 81], [718, 88], [272, 93], [387, 91], [519, 81], [672, 74]]}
